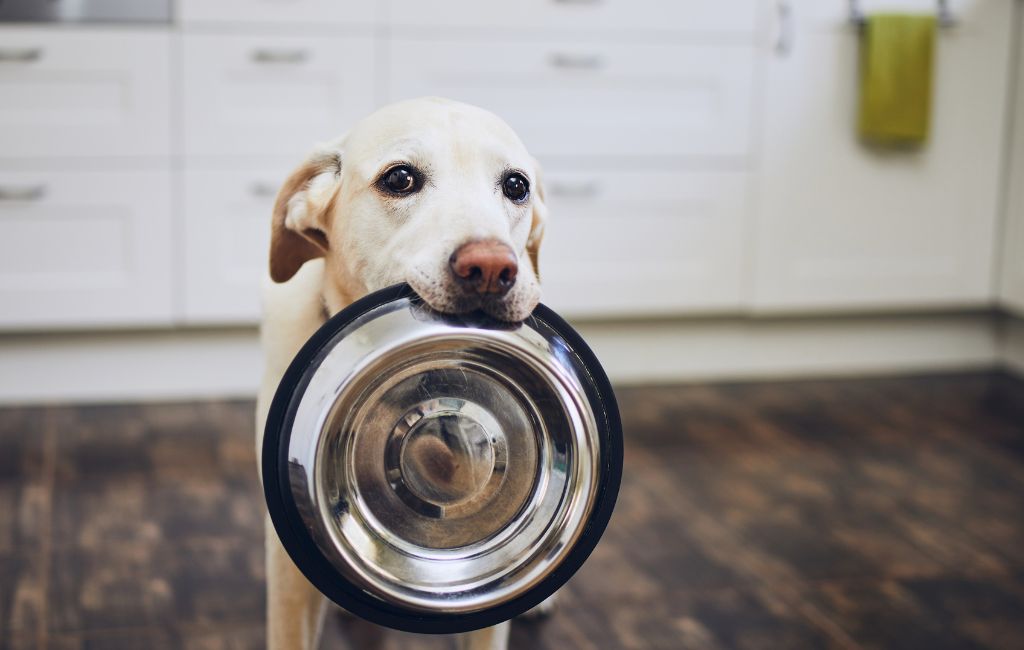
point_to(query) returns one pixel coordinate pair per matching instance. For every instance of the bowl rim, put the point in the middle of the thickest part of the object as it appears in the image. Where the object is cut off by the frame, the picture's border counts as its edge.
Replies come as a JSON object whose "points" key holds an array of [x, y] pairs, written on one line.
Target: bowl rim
{"points": [[301, 547]]}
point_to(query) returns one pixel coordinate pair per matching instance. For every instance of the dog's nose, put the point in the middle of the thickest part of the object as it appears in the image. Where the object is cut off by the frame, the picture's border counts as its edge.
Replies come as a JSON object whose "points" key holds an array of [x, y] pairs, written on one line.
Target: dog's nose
{"points": [[485, 267]]}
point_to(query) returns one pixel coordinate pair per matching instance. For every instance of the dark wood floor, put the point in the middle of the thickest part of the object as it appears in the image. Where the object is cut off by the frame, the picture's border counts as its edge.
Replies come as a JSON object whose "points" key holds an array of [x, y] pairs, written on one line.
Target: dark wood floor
{"points": [[883, 513]]}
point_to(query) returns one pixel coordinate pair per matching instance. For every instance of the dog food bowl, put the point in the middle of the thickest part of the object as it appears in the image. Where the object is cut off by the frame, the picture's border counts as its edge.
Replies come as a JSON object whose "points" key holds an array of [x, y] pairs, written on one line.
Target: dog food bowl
{"points": [[437, 473]]}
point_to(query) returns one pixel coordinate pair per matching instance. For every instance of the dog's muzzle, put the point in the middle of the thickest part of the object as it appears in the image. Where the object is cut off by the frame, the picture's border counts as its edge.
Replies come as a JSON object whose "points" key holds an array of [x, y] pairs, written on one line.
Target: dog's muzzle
{"points": [[438, 473]]}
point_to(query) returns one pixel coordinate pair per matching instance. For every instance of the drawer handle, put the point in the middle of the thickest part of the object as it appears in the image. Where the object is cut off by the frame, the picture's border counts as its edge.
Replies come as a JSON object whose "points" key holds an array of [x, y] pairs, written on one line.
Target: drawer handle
{"points": [[262, 190], [20, 55], [290, 57], [784, 40], [22, 192], [566, 61], [584, 190], [577, 2]]}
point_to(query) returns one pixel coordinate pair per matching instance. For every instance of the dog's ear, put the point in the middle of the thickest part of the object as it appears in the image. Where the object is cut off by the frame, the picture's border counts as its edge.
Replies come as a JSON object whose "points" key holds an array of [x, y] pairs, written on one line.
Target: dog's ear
{"points": [[538, 219], [298, 231]]}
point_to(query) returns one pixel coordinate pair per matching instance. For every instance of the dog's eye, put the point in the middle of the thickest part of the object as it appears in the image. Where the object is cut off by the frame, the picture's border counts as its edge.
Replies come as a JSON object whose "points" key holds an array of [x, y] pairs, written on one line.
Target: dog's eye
{"points": [[400, 180], [516, 187]]}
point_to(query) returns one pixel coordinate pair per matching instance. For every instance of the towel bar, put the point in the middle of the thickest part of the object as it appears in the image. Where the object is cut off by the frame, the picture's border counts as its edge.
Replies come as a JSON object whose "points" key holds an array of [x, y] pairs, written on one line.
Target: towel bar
{"points": [[943, 13]]}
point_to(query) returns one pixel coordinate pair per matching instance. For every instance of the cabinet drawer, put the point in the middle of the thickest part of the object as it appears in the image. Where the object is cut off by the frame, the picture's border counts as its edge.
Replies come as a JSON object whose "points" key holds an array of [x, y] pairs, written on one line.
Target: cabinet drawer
{"points": [[271, 95], [276, 12], [83, 93], [83, 249], [683, 16], [593, 98], [643, 242], [227, 239]]}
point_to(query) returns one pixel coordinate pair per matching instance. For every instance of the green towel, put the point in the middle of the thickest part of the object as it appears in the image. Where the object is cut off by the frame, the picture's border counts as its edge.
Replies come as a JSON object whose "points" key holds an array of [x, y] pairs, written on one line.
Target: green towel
{"points": [[896, 78]]}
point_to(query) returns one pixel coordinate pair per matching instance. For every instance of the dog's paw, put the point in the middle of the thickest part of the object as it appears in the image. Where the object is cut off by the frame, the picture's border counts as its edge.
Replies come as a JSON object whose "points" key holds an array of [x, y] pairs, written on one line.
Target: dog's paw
{"points": [[542, 610]]}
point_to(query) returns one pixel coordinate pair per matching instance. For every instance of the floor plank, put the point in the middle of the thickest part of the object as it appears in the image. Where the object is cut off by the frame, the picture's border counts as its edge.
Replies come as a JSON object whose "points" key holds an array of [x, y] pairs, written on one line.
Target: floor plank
{"points": [[857, 513]]}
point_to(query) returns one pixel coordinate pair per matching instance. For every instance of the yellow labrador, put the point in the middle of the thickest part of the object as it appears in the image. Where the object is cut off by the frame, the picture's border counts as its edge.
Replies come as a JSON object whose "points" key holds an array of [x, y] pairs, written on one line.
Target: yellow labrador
{"points": [[435, 193]]}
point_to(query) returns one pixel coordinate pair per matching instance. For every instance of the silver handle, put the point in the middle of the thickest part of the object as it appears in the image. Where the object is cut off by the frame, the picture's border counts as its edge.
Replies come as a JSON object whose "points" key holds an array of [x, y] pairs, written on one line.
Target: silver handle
{"points": [[292, 57], [20, 55], [568, 61], [22, 192], [583, 190], [262, 190], [946, 18], [784, 41], [577, 2], [943, 13]]}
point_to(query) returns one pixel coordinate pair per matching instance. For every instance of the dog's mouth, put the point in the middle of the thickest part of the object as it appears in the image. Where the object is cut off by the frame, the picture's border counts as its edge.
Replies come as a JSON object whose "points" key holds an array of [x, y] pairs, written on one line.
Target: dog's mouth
{"points": [[508, 308], [497, 308]]}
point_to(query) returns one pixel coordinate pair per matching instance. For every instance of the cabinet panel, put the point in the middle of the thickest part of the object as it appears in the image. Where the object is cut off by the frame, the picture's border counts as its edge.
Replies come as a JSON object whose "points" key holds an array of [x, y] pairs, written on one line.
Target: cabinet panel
{"points": [[83, 92], [227, 239], [1011, 285], [273, 95], [275, 12], [592, 98], [844, 226], [686, 16], [84, 249], [620, 243]]}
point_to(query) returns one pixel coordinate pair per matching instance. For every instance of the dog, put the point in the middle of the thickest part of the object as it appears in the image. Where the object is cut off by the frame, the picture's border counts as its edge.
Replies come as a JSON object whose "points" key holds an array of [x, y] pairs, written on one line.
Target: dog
{"points": [[432, 192]]}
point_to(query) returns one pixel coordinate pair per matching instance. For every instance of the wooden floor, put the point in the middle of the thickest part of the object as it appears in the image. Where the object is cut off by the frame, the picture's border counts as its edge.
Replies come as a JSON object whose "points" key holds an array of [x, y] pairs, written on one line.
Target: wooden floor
{"points": [[884, 513]]}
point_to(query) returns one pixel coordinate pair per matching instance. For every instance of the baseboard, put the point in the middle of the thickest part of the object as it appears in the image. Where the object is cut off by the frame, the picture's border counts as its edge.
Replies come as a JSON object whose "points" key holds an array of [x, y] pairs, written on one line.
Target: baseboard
{"points": [[219, 363], [129, 366], [1012, 344], [762, 348]]}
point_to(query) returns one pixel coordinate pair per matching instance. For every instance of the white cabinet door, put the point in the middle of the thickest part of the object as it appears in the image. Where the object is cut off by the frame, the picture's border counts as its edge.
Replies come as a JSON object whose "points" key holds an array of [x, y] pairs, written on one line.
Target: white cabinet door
{"points": [[626, 243], [88, 92], [227, 239], [270, 95], [842, 226], [618, 16], [1011, 285], [592, 98], [85, 249], [277, 12]]}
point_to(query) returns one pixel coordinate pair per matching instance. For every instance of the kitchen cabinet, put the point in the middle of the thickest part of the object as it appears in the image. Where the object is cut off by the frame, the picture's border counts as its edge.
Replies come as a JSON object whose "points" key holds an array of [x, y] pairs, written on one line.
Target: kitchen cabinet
{"points": [[622, 243], [274, 95], [227, 239], [84, 93], [85, 249], [691, 165], [587, 98], [841, 226], [614, 16], [276, 12]]}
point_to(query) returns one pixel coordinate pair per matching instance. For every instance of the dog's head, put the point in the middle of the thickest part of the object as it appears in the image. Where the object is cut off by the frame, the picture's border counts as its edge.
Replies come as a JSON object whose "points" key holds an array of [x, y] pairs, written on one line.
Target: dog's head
{"points": [[435, 193]]}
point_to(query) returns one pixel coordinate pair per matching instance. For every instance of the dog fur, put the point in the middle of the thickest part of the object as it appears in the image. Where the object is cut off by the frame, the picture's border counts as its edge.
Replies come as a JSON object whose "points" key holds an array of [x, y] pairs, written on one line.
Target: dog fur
{"points": [[336, 236]]}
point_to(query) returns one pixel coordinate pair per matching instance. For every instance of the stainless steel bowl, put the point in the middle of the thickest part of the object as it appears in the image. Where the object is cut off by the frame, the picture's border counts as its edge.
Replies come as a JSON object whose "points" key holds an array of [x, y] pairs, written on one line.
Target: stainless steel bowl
{"points": [[438, 473]]}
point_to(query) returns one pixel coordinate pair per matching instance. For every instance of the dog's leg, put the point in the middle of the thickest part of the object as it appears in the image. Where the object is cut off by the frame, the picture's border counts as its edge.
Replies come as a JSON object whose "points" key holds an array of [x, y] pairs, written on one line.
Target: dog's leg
{"points": [[295, 609], [363, 635], [489, 638]]}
